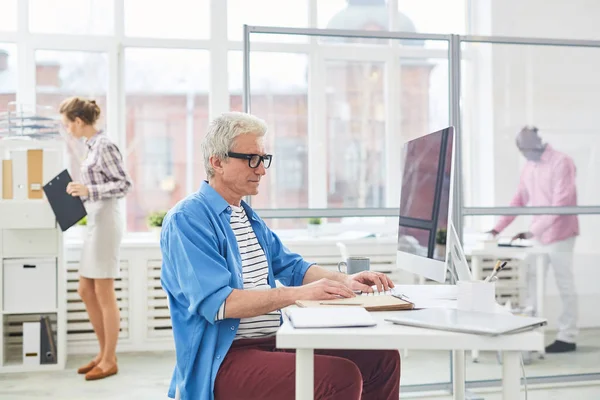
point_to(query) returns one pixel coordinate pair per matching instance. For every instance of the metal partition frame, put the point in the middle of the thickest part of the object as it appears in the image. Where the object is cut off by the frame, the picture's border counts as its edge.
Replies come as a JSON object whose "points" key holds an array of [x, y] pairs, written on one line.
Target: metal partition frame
{"points": [[454, 113], [459, 211]]}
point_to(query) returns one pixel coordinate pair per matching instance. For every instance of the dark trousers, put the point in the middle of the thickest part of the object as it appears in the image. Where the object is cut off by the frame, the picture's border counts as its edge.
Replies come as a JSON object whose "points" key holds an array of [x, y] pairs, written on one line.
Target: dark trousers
{"points": [[255, 369]]}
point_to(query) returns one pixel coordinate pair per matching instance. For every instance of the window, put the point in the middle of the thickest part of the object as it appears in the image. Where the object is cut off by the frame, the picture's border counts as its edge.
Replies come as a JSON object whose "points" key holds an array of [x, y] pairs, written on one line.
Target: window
{"points": [[8, 16], [8, 74], [412, 15], [355, 113], [81, 17], [180, 19], [279, 96], [288, 13], [450, 16], [62, 74], [291, 172], [166, 117], [158, 162]]}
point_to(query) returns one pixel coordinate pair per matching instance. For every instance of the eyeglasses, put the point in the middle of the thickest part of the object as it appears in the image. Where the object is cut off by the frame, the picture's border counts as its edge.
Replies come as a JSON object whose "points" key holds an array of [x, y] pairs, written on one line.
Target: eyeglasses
{"points": [[253, 159]]}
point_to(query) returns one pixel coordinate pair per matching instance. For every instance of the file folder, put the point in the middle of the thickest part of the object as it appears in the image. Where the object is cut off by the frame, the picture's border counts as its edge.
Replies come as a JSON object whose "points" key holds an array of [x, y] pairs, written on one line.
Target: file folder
{"points": [[47, 342], [31, 343], [35, 162], [67, 209], [7, 179]]}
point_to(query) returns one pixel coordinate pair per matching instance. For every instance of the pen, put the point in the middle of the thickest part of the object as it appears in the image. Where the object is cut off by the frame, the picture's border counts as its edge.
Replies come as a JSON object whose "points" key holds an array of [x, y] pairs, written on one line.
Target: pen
{"points": [[493, 271], [496, 271]]}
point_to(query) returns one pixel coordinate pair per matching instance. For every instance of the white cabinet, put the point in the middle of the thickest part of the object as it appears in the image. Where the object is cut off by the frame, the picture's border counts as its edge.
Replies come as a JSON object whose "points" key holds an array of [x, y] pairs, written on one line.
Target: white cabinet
{"points": [[32, 272]]}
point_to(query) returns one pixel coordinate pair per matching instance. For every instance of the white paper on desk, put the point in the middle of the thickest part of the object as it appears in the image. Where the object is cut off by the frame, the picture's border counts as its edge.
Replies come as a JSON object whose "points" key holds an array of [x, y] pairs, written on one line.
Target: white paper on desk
{"points": [[427, 292], [330, 317]]}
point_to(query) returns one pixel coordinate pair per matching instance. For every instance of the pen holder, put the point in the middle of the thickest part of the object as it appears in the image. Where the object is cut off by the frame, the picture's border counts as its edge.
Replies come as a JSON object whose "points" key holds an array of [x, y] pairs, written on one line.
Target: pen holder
{"points": [[476, 296]]}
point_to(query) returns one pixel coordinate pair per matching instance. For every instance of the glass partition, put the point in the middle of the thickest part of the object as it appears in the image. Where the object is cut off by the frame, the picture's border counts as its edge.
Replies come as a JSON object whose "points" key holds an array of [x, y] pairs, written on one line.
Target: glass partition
{"points": [[525, 107], [570, 293]]}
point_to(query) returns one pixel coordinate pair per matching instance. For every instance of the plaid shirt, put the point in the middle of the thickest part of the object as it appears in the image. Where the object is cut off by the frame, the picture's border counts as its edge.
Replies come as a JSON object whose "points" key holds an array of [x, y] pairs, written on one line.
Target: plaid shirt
{"points": [[102, 170]]}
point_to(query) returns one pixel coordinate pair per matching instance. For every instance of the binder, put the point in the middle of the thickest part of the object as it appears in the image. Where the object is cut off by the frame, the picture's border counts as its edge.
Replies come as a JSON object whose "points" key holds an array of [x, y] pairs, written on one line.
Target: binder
{"points": [[370, 303], [35, 163], [47, 342], [7, 179], [67, 209]]}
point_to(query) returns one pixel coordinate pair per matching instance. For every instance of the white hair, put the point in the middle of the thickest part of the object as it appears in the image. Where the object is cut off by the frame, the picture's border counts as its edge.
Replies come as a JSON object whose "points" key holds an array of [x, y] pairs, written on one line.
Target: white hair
{"points": [[223, 130]]}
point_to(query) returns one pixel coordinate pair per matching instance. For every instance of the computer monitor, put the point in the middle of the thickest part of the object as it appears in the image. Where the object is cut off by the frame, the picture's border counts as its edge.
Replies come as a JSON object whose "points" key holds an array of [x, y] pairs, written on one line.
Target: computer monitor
{"points": [[426, 204]]}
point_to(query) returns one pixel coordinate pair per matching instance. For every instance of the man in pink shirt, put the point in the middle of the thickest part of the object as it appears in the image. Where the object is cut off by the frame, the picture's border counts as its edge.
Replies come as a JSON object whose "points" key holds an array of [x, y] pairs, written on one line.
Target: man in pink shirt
{"points": [[548, 179]]}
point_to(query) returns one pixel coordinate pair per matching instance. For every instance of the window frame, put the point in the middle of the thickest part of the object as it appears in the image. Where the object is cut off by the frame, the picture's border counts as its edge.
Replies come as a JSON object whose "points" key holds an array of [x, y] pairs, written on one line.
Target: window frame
{"points": [[218, 45]]}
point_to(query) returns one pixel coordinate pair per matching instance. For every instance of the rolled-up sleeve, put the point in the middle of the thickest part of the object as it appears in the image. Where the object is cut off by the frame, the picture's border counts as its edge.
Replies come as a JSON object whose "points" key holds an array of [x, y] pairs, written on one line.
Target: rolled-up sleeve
{"points": [[200, 270], [289, 268]]}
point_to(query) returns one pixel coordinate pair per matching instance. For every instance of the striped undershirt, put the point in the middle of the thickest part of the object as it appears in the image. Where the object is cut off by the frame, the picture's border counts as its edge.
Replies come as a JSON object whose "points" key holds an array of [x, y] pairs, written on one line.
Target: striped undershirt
{"points": [[255, 272]]}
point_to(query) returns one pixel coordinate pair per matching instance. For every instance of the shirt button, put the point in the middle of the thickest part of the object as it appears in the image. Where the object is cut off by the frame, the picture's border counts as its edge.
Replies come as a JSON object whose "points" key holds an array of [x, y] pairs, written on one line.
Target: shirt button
{"points": [[228, 208], [233, 328], [239, 274], [218, 357]]}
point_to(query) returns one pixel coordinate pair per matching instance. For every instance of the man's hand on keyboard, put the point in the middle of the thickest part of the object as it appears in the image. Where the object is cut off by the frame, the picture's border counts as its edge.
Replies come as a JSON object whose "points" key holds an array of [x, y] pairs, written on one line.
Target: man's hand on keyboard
{"points": [[364, 280]]}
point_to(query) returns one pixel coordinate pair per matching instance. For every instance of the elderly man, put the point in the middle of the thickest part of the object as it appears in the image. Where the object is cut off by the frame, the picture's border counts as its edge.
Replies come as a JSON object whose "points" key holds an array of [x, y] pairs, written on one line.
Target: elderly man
{"points": [[220, 264], [548, 179]]}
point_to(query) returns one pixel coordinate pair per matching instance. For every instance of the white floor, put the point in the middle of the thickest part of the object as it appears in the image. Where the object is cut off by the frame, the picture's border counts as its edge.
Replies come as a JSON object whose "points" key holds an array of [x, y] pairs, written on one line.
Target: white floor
{"points": [[147, 375]]}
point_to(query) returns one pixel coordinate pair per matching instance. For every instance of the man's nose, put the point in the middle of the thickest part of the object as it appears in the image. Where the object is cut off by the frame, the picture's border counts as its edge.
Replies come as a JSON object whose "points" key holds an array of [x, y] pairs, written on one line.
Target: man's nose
{"points": [[260, 170]]}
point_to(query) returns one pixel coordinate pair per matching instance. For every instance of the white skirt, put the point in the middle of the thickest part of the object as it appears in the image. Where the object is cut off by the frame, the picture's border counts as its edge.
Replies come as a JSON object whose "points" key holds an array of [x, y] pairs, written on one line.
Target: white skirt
{"points": [[100, 254]]}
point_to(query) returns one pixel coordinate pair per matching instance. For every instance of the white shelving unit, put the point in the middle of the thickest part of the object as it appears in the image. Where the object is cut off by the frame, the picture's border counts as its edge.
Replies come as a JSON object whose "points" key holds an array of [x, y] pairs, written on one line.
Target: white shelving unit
{"points": [[32, 266]]}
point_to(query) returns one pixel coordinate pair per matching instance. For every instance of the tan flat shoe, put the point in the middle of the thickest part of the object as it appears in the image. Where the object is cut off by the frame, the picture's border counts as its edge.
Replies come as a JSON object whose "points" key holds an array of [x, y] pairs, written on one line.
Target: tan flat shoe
{"points": [[87, 368], [97, 373]]}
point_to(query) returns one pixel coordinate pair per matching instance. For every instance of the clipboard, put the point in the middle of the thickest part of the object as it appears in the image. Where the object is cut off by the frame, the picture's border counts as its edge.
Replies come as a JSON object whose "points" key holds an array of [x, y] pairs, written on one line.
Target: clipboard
{"points": [[67, 209], [370, 303]]}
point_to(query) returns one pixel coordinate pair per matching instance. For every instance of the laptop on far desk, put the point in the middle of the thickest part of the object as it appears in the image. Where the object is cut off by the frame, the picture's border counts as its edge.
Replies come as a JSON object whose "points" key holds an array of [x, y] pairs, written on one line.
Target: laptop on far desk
{"points": [[478, 323]]}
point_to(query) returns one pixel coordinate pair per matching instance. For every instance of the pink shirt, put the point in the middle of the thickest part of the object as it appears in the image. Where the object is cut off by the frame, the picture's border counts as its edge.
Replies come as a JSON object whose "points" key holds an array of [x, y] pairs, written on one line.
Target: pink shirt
{"points": [[548, 182]]}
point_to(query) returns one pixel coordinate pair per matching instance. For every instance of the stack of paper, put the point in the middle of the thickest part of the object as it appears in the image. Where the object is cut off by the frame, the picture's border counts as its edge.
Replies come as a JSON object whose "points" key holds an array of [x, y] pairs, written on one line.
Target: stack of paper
{"points": [[330, 317]]}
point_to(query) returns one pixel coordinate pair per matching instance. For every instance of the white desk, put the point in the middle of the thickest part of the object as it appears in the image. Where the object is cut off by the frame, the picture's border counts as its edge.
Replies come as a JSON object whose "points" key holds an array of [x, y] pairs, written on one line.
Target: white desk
{"points": [[478, 254], [389, 336]]}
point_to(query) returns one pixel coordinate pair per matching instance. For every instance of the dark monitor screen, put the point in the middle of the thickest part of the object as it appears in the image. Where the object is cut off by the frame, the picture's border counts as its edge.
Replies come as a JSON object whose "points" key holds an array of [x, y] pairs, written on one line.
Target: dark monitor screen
{"points": [[425, 193]]}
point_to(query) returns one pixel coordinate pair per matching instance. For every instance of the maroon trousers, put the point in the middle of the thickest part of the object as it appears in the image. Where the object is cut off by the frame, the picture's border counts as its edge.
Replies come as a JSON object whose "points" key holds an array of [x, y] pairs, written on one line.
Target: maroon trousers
{"points": [[255, 369]]}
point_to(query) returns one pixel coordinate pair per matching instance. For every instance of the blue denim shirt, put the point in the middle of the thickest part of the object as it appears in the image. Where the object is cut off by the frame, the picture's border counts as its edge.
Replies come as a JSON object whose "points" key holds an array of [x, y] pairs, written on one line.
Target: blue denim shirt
{"points": [[201, 266]]}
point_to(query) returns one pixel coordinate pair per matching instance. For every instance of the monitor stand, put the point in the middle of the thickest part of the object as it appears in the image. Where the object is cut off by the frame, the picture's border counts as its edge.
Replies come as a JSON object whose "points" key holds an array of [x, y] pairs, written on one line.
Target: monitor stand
{"points": [[455, 256]]}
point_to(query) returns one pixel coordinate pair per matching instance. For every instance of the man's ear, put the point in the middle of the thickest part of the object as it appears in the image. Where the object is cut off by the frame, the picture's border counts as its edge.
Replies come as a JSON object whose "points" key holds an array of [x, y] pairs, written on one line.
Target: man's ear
{"points": [[217, 164]]}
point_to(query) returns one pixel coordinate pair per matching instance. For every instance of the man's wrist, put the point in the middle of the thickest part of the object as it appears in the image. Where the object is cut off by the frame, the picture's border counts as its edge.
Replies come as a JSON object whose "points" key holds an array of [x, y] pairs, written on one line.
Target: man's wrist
{"points": [[287, 295]]}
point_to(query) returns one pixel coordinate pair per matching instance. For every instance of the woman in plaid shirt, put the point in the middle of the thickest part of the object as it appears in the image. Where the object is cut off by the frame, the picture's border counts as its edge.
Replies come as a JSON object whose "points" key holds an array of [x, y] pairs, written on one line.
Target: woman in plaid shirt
{"points": [[103, 183]]}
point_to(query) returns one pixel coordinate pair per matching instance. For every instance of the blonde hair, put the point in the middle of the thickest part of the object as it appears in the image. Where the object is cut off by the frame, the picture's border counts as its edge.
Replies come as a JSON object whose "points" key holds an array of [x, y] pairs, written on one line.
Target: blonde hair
{"points": [[76, 107]]}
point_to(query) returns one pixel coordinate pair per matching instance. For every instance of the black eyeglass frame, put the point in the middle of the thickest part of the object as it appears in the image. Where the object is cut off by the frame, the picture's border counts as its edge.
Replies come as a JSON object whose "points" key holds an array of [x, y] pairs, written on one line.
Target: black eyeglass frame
{"points": [[266, 159]]}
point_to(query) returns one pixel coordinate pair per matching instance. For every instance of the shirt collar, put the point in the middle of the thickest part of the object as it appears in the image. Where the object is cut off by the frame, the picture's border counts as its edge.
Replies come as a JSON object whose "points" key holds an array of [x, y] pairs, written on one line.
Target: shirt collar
{"points": [[90, 142], [547, 153], [219, 204]]}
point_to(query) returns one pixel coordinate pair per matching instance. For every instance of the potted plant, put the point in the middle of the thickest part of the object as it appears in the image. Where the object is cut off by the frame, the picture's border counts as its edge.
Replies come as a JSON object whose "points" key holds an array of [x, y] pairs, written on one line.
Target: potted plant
{"points": [[440, 243], [314, 225], [80, 228], [155, 221]]}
